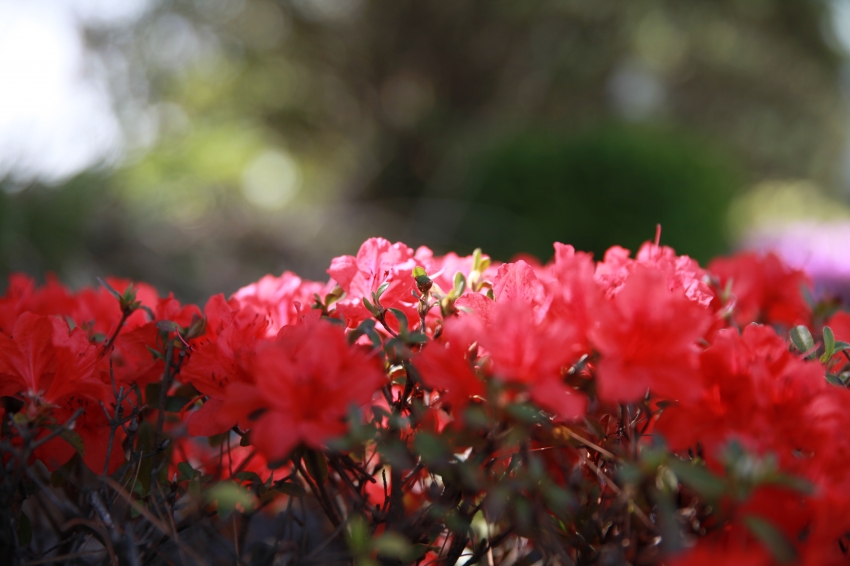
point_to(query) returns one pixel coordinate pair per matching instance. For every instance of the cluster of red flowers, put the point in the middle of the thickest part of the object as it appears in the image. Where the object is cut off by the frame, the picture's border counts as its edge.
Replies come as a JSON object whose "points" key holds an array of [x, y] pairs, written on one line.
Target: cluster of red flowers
{"points": [[755, 429]]}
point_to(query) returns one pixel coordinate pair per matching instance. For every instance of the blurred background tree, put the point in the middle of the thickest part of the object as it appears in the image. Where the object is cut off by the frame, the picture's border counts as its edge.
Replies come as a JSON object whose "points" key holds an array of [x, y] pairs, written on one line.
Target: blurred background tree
{"points": [[263, 135]]}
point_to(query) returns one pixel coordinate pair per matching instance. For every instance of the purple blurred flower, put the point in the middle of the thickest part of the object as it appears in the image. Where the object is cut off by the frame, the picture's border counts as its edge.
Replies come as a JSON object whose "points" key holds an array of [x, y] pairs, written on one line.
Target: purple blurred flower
{"points": [[818, 248]]}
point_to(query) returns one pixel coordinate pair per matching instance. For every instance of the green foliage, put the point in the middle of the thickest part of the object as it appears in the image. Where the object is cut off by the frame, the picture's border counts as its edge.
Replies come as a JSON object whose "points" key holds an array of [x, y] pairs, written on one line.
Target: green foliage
{"points": [[598, 189]]}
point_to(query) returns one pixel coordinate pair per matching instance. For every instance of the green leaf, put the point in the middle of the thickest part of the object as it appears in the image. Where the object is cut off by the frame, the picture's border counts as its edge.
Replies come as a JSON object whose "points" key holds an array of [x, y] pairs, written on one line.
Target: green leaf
{"points": [[433, 449], [834, 379], [381, 289], [317, 466], [402, 320], [698, 478], [475, 417], [459, 285], [672, 540], [187, 472], [175, 403], [228, 497], [24, 530], [167, 326], [291, 489], [772, 538], [359, 537], [630, 474], [476, 260], [840, 346], [109, 288], [364, 328], [802, 339], [828, 344], [370, 307], [793, 482], [198, 327], [394, 545], [524, 413], [558, 499], [395, 453], [218, 439], [157, 355], [417, 338]]}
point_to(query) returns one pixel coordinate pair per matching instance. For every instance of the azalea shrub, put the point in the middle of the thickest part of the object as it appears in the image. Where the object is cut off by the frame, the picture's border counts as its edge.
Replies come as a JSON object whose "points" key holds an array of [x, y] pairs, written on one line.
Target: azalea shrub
{"points": [[424, 409]]}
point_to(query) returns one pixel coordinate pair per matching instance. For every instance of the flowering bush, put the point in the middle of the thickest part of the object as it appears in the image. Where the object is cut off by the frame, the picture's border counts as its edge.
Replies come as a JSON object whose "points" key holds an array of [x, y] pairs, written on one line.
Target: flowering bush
{"points": [[431, 410]]}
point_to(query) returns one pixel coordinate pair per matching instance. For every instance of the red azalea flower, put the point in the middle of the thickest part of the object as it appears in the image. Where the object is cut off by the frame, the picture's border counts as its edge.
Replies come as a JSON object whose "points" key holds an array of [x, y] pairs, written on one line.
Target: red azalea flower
{"points": [[751, 389], [223, 356], [377, 262], [444, 366], [43, 361], [647, 336], [279, 298], [306, 381], [764, 289], [682, 273]]}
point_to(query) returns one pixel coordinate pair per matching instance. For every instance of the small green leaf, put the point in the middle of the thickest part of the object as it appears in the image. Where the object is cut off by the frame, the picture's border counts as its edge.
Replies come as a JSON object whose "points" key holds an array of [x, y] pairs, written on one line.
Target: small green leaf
{"points": [[476, 260], [772, 538], [395, 453], [291, 489], [359, 536], [558, 499], [228, 497], [109, 288], [402, 320], [156, 354], [475, 417], [365, 328], [698, 478], [394, 545], [524, 413], [433, 449], [828, 341], [802, 338], [834, 379], [370, 307], [187, 472], [167, 326], [459, 285], [382, 288], [197, 328], [417, 338], [175, 404], [671, 534]]}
